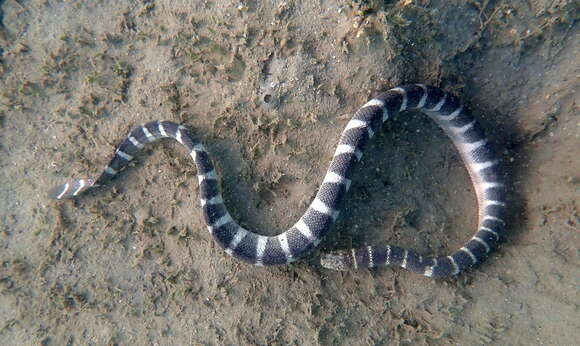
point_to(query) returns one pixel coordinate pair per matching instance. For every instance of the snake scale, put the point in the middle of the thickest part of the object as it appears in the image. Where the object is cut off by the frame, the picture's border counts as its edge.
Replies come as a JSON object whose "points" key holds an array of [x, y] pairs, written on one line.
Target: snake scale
{"points": [[445, 109]]}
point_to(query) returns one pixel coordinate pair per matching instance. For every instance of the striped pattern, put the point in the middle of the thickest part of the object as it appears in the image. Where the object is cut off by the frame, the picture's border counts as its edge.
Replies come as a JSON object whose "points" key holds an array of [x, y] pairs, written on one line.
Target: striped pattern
{"points": [[443, 108], [483, 166]]}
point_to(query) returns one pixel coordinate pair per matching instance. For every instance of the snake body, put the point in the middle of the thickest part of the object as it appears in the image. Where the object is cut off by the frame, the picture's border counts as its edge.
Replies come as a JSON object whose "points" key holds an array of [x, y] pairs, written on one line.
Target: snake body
{"points": [[444, 108]]}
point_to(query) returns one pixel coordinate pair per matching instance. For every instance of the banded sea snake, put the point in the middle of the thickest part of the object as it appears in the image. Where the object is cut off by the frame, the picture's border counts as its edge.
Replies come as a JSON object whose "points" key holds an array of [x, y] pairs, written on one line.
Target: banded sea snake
{"points": [[445, 109]]}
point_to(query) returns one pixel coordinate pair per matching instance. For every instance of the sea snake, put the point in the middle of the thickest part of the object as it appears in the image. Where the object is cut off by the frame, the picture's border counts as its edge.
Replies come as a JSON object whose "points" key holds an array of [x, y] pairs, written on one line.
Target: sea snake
{"points": [[445, 109]]}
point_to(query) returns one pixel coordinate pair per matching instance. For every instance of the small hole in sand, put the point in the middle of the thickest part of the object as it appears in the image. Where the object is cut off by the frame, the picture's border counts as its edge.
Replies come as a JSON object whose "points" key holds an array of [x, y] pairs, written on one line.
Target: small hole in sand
{"points": [[267, 98]]}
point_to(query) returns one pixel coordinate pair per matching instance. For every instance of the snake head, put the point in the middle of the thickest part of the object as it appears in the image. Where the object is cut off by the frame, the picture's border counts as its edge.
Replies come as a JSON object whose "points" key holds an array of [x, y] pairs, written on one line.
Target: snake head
{"points": [[340, 260]]}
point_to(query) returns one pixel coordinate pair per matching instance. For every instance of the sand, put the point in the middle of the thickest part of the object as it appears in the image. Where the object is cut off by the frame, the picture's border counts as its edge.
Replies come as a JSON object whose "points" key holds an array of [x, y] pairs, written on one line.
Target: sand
{"points": [[268, 87]]}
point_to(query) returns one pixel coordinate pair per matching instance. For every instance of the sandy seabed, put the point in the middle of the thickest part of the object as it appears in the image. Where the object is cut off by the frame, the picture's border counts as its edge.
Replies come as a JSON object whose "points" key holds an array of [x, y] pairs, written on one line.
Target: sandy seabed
{"points": [[268, 87]]}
